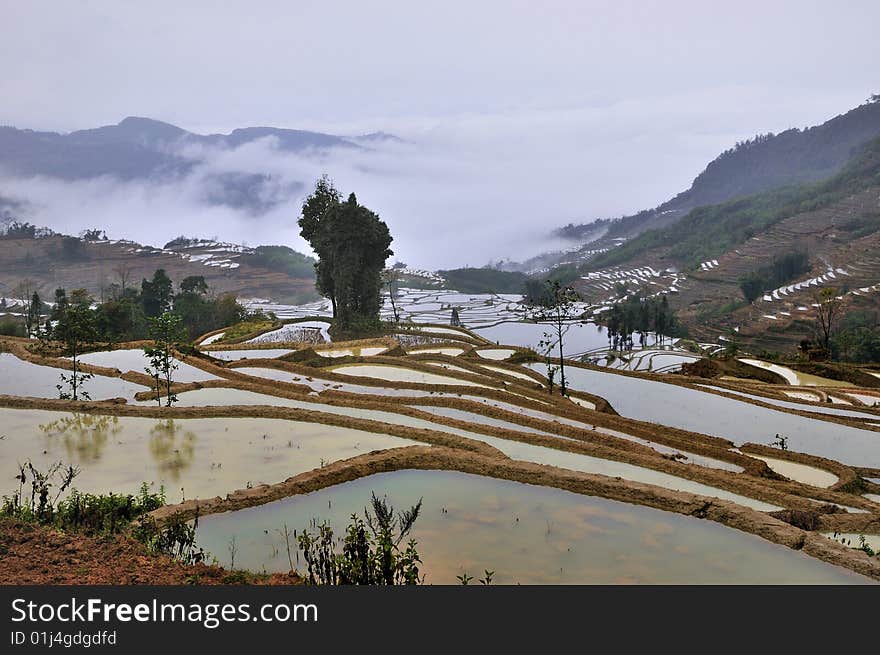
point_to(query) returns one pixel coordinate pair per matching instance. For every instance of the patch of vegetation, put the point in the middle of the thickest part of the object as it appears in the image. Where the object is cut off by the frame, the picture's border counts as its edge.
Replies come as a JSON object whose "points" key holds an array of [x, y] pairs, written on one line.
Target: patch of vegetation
{"points": [[781, 270], [861, 226], [484, 280], [858, 337], [641, 316], [715, 311], [245, 328], [10, 327], [72, 250], [284, 260], [371, 551], [38, 500]]}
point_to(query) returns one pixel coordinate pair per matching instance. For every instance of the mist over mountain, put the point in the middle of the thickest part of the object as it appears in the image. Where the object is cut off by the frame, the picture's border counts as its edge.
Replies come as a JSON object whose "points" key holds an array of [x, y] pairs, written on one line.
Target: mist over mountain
{"points": [[146, 149], [456, 191]]}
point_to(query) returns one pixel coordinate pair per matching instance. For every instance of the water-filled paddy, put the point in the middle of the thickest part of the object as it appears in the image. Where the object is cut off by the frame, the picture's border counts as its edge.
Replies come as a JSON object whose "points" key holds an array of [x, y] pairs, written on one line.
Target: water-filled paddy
{"points": [[795, 377], [451, 351], [207, 341], [689, 409], [867, 399], [473, 417], [204, 456], [132, 359], [253, 353], [580, 337], [615, 469], [399, 374], [450, 367], [495, 353], [21, 378], [526, 534], [322, 384], [853, 539], [366, 351], [832, 411], [515, 374], [227, 397], [799, 472]]}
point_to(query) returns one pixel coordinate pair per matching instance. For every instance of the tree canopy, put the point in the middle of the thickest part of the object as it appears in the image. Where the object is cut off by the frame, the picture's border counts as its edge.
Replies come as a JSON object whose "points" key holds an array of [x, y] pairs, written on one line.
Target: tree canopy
{"points": [[352, 244]]}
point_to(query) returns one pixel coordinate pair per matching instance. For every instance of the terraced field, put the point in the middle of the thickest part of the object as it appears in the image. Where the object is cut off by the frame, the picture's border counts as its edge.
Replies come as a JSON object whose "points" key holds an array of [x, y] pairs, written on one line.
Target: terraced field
{"points": [[250, 439], [709, 302]]}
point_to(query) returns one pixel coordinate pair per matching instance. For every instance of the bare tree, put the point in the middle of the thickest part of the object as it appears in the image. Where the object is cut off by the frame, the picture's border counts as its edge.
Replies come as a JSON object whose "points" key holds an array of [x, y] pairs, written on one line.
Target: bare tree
{"points": [[557, 306], [829, 310], [391, 278], [24, 292], [123, 272]]}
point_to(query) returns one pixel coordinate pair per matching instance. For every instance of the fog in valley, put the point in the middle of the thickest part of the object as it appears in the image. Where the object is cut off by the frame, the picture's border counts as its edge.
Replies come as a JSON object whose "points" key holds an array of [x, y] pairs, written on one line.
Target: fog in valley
{"points": [[503, 134]]}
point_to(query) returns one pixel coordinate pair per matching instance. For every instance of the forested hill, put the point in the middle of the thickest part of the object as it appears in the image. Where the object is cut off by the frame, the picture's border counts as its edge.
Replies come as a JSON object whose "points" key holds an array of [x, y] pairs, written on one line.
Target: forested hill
{"points": [[762, 163], [709, 231]]}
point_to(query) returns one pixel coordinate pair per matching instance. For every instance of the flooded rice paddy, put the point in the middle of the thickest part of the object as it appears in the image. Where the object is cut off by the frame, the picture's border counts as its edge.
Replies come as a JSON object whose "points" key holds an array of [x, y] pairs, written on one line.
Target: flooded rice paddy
{"points": [[697, 411], [22, 378], [198, 457], [133, 359], [399, 374], [526, 534]]}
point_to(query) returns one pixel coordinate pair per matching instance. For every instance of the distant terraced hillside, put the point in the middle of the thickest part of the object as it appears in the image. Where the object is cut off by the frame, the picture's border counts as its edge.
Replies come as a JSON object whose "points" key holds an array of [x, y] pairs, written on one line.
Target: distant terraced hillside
{"points": [[60, 261], [701, 260]]}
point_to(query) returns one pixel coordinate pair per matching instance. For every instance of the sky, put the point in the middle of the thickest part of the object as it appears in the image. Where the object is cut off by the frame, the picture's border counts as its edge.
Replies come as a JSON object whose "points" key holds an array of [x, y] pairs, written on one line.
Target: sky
{"points": [[519, 116]]}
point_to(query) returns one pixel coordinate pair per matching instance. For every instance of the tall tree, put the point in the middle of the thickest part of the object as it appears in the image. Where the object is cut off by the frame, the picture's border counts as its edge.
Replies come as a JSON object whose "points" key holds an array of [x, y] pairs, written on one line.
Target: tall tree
{"points": [[32, 318], [313, 229], [352, 244], [156, 294]]}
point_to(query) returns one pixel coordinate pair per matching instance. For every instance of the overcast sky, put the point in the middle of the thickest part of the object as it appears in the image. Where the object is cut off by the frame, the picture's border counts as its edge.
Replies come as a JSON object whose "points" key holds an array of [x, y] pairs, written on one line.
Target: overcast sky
{"points": [[524, 115]]}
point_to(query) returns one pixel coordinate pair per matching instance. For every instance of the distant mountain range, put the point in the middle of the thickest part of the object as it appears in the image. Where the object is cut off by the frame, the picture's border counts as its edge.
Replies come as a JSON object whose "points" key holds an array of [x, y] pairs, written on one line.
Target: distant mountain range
{"points": [[146, 149]]}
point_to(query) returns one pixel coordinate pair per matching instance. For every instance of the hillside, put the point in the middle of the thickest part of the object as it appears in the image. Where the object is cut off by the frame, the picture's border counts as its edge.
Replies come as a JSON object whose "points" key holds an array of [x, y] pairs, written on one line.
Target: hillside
{"points": [[53, 261], [767, 161], [832, 228]]}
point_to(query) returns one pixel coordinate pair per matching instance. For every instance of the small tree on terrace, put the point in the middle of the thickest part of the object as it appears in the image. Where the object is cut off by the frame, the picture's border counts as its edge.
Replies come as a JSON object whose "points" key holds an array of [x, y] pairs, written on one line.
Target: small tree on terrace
{"points": [[829, 310], [166, 331], [557, 308], [75, 330]]}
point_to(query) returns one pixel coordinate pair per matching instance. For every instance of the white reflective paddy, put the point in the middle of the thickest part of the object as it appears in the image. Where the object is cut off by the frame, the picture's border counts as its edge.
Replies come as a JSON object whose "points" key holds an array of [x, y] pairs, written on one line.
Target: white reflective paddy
{"points": [[253, 353], [133, 359], [698, 411], [400, 374], [366, 351], [799, 472], [22, 378]]}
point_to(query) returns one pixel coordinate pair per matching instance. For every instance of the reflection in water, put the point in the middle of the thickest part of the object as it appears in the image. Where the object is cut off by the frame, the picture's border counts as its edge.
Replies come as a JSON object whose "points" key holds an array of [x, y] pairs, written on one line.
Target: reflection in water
{"points": [[172, 447], [84, 435], [526, 534]]}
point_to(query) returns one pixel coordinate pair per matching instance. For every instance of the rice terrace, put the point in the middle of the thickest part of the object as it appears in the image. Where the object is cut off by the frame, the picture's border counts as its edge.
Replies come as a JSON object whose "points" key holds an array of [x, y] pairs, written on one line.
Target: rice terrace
{"points": [[491, 295]]}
